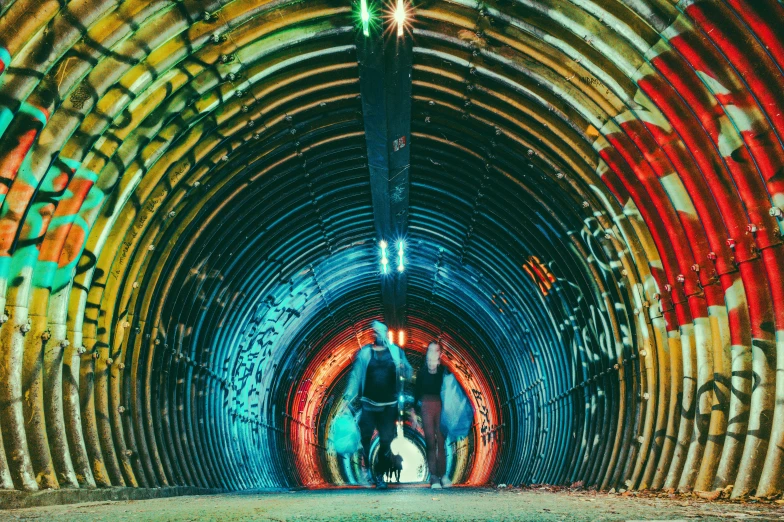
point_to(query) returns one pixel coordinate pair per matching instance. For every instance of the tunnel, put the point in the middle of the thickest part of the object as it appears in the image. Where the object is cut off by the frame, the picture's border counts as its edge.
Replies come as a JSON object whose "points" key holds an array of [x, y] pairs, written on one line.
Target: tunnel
{"points": [[205, 204]]}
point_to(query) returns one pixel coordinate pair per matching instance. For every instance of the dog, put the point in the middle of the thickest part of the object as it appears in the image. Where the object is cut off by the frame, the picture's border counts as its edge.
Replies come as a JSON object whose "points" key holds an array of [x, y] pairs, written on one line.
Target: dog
{"points": [[395, 467]]}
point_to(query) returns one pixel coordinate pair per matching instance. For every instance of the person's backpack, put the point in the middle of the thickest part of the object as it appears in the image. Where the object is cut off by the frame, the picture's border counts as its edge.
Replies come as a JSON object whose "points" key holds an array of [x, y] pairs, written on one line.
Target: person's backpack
{"points": [[457, 414], [344, 437]]}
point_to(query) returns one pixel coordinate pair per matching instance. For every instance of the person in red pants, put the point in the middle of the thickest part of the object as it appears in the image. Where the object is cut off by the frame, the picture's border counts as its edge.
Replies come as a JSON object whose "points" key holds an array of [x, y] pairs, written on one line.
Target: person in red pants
{"points": [[429, 380]]}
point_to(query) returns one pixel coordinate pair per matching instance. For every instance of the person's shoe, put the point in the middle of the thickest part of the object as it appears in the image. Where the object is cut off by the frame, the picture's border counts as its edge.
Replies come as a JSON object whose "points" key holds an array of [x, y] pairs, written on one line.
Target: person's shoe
{"points": [[435, 485], [380, 484], [445, 482]]}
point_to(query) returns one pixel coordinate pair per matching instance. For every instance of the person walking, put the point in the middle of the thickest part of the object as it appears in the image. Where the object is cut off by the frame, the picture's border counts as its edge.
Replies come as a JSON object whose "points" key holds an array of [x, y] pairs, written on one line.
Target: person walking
{"points": [[429, 381], [378, 374]]}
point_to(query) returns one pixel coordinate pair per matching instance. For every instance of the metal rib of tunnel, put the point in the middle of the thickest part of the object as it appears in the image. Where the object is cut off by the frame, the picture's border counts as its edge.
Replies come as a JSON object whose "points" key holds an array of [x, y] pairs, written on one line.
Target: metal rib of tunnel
{"points": [[189, 237]]}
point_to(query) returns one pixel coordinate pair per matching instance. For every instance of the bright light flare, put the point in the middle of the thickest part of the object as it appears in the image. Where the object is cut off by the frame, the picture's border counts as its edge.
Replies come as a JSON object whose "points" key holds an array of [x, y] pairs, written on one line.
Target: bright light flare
{"points": [[401, 338], [400, 17], [384, 258], [391, 336], [400, 266], [365, 15]]}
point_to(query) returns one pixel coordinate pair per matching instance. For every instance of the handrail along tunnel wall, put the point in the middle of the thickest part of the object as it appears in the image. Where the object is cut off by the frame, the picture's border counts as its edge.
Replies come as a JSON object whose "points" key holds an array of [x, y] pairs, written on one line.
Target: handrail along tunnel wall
{"points": [[188, 258]]}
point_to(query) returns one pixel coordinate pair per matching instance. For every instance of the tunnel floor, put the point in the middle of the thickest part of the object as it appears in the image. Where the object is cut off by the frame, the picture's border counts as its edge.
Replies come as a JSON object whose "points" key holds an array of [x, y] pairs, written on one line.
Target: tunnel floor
{"points": [[409, 502]]}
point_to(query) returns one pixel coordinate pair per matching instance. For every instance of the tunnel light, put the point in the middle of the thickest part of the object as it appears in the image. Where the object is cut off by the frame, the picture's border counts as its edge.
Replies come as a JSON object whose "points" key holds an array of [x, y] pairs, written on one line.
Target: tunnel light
{"points": [[400, 266], [400, 17], [384, 258], [401, 338], [391, 336], [365, 14]]}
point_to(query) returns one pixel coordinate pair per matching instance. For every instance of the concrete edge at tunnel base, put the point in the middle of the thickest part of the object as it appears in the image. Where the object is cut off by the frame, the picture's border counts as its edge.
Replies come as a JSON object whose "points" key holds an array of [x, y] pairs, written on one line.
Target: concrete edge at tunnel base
{"points": [[14, 499]]}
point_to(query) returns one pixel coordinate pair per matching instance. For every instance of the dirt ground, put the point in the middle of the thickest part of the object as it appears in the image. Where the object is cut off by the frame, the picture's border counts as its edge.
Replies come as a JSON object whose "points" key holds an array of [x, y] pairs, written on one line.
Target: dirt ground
{"points": [[407, 503]]}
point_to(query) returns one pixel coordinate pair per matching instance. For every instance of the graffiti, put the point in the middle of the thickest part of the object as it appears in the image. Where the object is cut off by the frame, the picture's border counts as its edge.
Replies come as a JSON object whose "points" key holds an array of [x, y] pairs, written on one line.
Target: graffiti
{"points": [[80, 95], [485, 428], [539, 274]]}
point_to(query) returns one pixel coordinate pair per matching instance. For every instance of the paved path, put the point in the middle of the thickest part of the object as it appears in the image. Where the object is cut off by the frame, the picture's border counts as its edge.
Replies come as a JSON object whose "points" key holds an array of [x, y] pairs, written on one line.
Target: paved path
{"points": [[405, 503]]}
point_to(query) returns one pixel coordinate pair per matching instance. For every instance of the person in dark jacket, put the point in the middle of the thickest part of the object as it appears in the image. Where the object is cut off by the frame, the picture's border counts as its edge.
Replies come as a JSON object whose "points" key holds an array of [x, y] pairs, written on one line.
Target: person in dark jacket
{"points": [[377, 377], [429, 380]]}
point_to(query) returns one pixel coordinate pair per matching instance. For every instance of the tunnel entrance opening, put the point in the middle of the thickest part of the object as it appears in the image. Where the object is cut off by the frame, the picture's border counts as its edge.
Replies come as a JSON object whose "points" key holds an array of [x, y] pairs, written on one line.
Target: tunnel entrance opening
{"points": [[411, 447], [315, 399]]}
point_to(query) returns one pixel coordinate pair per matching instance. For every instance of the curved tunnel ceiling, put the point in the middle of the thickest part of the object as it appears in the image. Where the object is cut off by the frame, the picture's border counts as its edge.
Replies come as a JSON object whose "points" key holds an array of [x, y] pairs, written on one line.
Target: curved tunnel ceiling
{"points": [[189, 251]]}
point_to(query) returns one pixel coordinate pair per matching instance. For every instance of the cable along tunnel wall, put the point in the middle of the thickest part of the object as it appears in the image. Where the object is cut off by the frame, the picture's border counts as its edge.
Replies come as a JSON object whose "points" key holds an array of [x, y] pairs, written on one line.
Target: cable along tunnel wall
{"points": [[186, 232]]}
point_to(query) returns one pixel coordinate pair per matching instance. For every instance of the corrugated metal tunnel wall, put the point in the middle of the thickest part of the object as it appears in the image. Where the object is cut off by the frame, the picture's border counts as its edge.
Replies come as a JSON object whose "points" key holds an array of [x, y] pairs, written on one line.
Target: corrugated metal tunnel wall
{"points": [[188, 259]]}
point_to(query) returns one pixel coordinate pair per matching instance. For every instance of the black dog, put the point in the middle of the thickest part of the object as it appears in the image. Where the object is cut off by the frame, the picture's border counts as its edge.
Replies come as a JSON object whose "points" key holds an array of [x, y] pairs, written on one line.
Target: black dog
{"points": [[395, 467]]}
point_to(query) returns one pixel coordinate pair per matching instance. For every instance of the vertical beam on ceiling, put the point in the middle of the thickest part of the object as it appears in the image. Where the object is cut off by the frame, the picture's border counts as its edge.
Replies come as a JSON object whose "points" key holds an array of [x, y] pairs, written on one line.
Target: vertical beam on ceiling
{"points": [[385, 61]]}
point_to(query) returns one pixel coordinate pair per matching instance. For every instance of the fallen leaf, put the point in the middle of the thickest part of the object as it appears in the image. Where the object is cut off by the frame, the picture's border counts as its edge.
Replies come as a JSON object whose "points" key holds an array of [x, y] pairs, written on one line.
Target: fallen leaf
{"points": [[709, 495]]}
